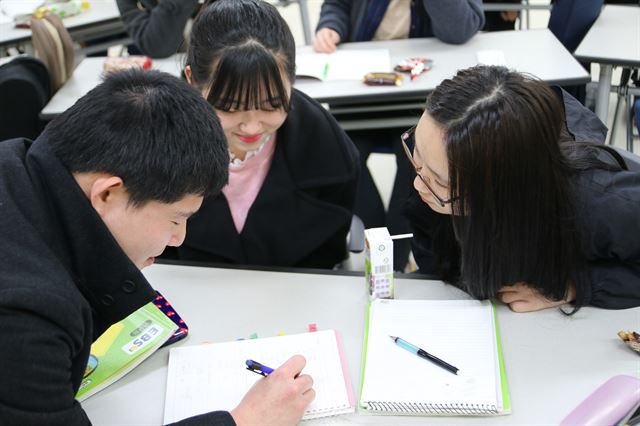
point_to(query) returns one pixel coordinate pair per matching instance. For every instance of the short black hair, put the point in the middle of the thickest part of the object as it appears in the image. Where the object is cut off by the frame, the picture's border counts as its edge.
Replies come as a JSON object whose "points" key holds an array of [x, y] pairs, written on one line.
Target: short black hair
{"points": [[149, 128], [239, 50]]}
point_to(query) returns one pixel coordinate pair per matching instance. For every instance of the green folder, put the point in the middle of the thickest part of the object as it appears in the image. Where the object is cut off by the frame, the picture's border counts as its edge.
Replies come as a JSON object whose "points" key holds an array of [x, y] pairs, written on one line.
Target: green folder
{"points": [[123, 346]]}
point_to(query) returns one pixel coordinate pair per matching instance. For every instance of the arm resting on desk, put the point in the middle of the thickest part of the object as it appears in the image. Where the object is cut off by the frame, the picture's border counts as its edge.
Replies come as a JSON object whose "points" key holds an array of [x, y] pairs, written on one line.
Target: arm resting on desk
{"points": [[157, 32], [216, 418], [615, 285], [335, 14], [455, 21]]}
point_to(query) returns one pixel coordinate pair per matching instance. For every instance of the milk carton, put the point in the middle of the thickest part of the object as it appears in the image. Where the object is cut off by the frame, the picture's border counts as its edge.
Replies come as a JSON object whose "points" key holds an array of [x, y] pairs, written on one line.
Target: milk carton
{"points": [[378, 262]]}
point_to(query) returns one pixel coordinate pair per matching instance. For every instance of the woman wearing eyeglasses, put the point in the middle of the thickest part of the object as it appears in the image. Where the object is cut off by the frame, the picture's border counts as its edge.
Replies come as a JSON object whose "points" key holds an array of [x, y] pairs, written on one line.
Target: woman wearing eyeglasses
{"points": [[293, 171], [516, 198]]}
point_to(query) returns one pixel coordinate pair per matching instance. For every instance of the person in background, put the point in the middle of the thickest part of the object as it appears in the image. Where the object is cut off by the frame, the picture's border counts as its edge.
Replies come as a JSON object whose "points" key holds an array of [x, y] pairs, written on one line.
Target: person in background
{"points": [[293, 170], [156, 26], [451, 21], [86, 206], [500, 20], [517, 198]]}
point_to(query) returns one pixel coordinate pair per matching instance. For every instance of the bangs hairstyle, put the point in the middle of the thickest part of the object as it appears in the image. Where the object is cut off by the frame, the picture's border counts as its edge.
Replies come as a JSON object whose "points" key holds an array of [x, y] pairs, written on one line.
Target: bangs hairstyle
{"points": [[248, 77], [514, 217], [243, 53]]}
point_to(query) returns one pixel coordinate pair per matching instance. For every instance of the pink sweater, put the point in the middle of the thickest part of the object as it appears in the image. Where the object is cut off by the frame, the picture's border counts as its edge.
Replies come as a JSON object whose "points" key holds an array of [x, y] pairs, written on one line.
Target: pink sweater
{"points": [[245, 181]]}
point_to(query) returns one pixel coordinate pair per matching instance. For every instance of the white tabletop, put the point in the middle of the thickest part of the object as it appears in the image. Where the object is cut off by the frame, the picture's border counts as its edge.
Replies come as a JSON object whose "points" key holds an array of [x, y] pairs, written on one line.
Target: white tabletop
{"points": [[88, 74], [99, 11], [614, 38], [537, 52], [552, 361]]}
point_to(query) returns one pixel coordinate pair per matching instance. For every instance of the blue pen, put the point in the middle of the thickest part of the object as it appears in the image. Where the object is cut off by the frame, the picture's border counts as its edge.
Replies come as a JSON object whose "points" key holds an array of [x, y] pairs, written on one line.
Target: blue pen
{"points": [[258, 368], [424, 354]]}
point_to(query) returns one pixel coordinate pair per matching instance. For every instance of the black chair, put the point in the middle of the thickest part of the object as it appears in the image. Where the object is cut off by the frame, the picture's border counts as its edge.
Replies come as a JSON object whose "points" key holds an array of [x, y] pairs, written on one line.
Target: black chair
{"points": [[25, 90]]}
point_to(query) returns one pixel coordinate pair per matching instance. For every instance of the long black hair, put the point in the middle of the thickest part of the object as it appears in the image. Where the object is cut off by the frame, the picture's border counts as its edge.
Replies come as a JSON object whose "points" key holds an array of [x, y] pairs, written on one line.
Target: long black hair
{"points": [[510, 162], [239, 51]]}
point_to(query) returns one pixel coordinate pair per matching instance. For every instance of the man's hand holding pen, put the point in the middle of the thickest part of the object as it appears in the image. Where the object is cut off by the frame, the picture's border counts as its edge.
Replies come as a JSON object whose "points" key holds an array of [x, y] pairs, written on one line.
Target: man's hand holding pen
{"points": [[278, 399]]}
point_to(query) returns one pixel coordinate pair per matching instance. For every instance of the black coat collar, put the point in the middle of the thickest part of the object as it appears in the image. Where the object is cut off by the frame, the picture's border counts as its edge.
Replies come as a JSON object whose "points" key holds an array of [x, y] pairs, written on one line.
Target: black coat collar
{"points": [[106, 277], [295, 211]]}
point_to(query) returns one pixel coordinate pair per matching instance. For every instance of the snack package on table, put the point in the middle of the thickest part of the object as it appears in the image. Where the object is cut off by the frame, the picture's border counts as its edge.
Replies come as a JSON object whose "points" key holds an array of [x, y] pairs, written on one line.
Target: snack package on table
{"points": [[125, 62]]}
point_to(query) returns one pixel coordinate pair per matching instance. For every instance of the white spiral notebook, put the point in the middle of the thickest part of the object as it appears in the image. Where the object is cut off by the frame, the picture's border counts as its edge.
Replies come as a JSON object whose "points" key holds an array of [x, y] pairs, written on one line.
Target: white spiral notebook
{"points": [[213, 377], [463, 333]]}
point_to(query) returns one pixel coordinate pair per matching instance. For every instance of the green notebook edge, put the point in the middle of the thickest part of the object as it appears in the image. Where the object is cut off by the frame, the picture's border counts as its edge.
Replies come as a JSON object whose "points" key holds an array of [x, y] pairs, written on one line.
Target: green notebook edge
{"points": [[504, 385], [149, 310], [364, 352]]}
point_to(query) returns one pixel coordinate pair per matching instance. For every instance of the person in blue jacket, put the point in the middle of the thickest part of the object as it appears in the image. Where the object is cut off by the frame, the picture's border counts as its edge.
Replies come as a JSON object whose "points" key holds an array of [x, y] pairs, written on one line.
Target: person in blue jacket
{"points": [[451, 21], [516, 198], [156, 27]]}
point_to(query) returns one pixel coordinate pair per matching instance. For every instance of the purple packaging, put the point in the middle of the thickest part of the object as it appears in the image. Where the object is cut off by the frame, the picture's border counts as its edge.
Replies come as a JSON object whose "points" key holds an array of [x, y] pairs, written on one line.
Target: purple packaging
{"points": [[608, 404]]}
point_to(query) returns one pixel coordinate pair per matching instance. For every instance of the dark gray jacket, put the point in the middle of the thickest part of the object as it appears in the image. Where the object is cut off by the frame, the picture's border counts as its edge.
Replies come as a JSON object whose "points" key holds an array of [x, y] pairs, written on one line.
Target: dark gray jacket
{"points": [[156, 26], [608, 207], [63, 281], [452, 21]]}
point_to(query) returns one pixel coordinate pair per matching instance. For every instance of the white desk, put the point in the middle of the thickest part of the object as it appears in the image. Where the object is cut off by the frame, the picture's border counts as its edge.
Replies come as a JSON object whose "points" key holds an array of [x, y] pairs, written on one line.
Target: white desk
{"points": [[358, 106], [552, 361], [614, 39], [88, 74], [536, 52], [103, 17]]}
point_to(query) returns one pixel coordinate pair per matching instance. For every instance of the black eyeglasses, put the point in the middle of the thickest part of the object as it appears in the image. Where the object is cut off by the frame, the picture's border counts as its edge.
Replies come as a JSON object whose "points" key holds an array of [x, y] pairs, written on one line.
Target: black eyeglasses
{"points": [[407, 136]]}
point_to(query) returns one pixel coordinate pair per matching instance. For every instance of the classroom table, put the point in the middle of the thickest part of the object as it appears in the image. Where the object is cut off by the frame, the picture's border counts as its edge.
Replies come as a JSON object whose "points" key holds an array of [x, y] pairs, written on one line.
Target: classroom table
{"points": [[552, 361], [101, 19], [613, 40], [357, 106], [88, 74]]}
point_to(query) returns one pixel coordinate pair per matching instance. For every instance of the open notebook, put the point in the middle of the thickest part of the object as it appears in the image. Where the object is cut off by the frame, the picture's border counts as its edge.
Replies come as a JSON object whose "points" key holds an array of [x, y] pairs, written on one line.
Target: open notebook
{"points": [[342, 64], [213, 377], [463, 333]]}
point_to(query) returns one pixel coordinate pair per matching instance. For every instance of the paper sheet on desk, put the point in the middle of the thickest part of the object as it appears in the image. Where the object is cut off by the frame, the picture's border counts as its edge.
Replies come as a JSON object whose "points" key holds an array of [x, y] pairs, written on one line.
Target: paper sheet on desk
{"points": [[342, 64], [491, 57], [213, 377]]}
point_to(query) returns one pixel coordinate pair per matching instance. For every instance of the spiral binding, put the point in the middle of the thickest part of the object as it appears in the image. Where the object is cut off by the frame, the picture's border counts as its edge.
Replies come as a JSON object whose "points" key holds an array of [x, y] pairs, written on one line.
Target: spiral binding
{"points": [[424, 408]]}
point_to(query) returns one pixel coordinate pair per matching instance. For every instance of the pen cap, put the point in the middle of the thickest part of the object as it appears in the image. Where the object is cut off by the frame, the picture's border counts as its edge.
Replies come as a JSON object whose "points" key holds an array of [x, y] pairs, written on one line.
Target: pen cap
{"points": [[608, 404], [378, 262]]}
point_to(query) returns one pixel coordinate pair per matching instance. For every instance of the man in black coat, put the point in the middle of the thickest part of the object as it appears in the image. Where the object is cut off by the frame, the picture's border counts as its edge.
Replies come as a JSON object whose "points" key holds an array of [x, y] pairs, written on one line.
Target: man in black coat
{"points": [[105, 188]]}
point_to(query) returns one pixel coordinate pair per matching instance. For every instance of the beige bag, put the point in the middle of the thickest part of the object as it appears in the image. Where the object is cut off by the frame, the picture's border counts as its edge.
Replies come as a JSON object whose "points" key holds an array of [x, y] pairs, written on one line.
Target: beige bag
{"points": [[53, 46]]}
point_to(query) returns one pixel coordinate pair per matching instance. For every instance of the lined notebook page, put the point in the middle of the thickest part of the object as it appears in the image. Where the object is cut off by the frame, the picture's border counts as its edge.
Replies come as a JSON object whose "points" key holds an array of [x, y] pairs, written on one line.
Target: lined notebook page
{"points": [[459, 332], [343, 64], [213, 377]]}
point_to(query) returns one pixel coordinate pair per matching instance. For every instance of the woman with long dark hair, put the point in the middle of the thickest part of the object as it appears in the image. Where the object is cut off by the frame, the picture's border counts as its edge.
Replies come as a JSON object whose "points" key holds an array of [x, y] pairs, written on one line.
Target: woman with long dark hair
{"points": [[293, 171], [524, 204]]}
